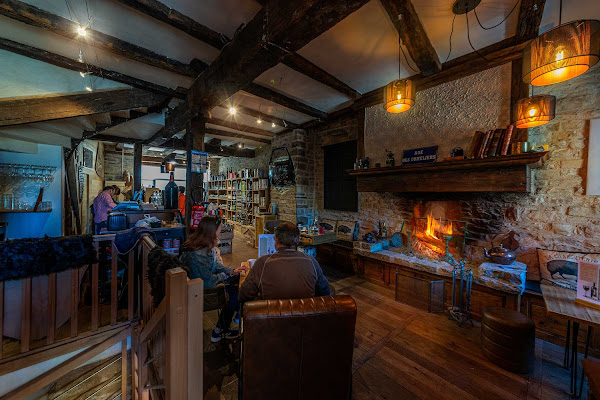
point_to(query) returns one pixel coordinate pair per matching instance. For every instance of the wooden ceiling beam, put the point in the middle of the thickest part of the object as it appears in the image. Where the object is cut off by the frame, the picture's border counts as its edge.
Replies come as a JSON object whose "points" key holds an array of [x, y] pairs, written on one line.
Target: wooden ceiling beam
{"points": [[15, 111], [37, 17], [530, 17], [239, 127], [283, 100], [404, 17], [74, 65], [305, 67], [281, 24], [218, 132], [229, 151], [266, 118], [164, 13]]}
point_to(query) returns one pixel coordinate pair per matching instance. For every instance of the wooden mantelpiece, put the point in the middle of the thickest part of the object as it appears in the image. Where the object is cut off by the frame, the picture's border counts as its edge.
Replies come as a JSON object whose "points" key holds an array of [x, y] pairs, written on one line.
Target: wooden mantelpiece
{"points": [[494, 174]]}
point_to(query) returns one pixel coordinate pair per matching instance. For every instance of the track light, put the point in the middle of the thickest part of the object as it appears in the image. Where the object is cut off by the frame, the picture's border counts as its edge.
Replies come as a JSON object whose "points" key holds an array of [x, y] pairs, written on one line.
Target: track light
{"points": [[81, 31], [89, 88], [240, 145], [273, 124], [83, 74], [232, 110], [259, 121], [80, 58]]}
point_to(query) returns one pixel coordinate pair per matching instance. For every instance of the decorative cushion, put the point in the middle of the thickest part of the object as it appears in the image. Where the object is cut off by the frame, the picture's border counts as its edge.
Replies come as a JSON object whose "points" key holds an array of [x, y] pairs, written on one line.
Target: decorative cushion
{"points": [[330, 225], [347, 230], [560, 267]]}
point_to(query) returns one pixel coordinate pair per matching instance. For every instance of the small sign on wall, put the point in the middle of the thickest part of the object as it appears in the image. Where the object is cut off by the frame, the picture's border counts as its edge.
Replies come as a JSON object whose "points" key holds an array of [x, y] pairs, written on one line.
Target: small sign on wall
{"points": [[421, 155], [199, 162]]}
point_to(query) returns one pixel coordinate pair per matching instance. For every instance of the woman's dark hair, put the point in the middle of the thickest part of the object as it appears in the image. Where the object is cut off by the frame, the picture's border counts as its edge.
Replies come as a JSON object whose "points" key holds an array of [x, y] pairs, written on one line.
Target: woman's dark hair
{"points": [[287, 234], [205, 235], [108, 188], [117, 190]]}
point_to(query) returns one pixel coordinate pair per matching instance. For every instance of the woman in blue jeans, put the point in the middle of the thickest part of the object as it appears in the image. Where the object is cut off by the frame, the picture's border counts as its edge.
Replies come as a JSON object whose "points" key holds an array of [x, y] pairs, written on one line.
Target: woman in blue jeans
{"points": [[199, 254]]}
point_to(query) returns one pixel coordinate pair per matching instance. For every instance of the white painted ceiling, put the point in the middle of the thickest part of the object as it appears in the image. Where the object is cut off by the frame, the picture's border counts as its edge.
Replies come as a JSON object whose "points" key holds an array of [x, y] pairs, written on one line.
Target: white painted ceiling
{"points": [[361, 50]]}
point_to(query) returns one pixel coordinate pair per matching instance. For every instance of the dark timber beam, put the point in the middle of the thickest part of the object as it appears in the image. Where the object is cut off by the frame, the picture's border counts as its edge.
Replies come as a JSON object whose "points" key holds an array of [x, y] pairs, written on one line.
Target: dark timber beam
{"points": [[45, 108], [74, 65], [194, 141], [238, 127], [175, 122], [283, 100], [305, 67], [281, 24], [161, 12], [266, 118], [219, 132], [37, 17], [404, 17], [530, 17], [228, 151]]}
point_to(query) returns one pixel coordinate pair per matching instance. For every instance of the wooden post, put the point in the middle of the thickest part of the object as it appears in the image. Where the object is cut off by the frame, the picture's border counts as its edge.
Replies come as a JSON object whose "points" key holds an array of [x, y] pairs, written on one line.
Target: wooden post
{"points": [[194, 140], [518, 90], [177, 331], [195, 310], [137, 167]]}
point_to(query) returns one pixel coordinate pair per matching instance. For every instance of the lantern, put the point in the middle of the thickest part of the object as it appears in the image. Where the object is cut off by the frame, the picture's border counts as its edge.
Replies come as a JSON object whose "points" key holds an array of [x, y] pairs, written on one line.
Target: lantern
{"points": [[399, 95], [534, 111], [562, 53]]}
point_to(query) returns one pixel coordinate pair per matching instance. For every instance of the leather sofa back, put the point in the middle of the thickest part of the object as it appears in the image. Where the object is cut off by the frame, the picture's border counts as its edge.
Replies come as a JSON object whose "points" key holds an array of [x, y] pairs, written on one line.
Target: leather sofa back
{"points": [[298, 349]]}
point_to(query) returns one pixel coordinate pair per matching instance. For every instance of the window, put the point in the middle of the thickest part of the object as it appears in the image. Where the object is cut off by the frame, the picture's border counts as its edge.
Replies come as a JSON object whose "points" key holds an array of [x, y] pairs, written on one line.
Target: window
{"points": [[339, 187]]}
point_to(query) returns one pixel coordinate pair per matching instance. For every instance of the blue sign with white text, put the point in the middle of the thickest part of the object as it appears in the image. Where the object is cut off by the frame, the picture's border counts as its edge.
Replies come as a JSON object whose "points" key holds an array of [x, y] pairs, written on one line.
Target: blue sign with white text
{"points": [[421, 155]]}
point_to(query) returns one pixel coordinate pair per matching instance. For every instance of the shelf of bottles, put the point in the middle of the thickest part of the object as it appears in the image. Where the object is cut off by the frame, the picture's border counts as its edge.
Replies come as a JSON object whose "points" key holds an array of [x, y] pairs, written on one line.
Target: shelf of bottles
{"points": [[242, 195]]}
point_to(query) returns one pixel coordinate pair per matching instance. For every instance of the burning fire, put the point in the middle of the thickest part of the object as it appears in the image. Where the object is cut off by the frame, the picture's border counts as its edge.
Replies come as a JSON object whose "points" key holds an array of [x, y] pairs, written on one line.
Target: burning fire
{"points": [[433, 225]]}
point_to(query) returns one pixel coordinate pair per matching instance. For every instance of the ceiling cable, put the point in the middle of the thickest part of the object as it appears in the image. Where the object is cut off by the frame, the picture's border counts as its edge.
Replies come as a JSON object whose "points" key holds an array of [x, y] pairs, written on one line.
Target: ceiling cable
{"points": [[451, 32], [499, 23]]}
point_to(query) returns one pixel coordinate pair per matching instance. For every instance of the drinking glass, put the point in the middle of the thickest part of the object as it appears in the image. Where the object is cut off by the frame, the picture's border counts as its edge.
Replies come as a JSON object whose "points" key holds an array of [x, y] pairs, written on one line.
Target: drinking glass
{"points": [[8, 202]]}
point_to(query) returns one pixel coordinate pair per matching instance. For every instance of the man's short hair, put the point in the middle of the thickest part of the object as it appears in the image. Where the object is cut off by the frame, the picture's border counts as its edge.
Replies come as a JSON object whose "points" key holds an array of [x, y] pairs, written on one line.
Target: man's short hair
{"points": [[108, 188], [182, 189], [287, 234]]}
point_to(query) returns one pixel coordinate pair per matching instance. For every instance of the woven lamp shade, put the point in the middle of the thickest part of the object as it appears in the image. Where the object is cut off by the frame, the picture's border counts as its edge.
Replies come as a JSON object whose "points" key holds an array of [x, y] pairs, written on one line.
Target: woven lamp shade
{"points": [[562, 53], [534, 111], [399, 95]]}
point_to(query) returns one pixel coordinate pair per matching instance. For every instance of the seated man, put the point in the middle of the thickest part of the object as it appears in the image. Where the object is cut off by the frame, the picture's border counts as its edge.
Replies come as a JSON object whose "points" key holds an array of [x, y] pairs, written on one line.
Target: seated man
{"points": [[286, 274]]}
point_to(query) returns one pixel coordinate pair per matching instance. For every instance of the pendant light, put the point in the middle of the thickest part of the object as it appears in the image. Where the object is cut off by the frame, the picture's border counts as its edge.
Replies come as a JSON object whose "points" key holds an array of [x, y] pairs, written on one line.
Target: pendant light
{"points": [[399, 95], [534, 111], [562, 53]]}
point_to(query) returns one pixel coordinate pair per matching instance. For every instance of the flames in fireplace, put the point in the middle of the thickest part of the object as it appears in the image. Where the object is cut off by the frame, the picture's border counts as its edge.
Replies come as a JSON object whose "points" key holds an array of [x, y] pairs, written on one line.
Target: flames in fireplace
{"points": [[437, 227]]}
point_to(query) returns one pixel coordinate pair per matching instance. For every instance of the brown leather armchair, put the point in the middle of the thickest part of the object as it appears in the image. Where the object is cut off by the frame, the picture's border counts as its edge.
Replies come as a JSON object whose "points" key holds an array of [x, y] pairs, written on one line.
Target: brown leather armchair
{"points": [[298, 349]]}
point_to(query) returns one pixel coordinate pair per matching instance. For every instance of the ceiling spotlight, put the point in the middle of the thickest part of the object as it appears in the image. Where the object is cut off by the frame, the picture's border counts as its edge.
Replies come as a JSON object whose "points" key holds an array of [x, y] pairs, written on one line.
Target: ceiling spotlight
{"points": [[80, 58], [221, 148], [232, 110], [81, 31], [259, 121], [89, 88], [240, 145], [83, 74], [273, 124]]}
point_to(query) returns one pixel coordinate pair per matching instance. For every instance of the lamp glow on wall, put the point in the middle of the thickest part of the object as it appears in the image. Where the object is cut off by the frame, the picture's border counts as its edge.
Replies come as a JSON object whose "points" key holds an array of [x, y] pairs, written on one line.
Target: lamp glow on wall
{"points": [[562, 53], [534, 111]]}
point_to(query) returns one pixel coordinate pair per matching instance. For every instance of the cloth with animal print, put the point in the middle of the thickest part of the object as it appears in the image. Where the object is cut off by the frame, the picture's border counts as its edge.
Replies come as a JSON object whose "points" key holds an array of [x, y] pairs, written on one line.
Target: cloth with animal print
{"points": [[560, 267]]}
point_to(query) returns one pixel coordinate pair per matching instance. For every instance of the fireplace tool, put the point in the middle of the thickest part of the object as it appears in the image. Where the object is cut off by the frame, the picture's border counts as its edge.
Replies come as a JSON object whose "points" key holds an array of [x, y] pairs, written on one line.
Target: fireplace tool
{"points": [[460, 311], [448, 257], [409, 248]]}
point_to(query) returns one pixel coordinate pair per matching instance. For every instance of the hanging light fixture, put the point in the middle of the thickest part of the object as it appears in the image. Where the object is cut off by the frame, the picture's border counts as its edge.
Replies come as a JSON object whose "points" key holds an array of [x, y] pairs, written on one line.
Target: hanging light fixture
{"points": [[534, 111], [399, 95], [562, 53]]}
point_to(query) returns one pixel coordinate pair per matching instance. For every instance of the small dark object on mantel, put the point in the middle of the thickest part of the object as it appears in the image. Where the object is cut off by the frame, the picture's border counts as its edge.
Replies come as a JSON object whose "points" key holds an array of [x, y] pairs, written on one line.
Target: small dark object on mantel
{"points": [[369, 237], [390, 162], [457, 152]]}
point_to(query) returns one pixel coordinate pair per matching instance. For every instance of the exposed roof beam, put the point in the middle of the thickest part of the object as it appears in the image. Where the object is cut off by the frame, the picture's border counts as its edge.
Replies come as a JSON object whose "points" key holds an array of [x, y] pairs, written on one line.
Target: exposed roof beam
{"points": [[161, 12], [530, 17], [114, 139], [74, 65], [175, 121], [283, 100], [238, 127], [16, 111], [230, 151], [115, 121], [507, 50], [267, 118], [219, 132], [404, 17], [305, 67], [37, 17], [285, 24]]}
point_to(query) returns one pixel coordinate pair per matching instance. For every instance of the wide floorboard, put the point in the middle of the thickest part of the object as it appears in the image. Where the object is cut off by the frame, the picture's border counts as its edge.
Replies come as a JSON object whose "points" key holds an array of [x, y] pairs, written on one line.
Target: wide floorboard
{"points": [[401, 352]]}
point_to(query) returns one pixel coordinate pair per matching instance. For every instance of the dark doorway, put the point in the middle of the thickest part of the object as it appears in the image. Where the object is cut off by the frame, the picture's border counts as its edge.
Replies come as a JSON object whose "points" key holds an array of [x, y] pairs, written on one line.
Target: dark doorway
{"points": [[339, 187]]}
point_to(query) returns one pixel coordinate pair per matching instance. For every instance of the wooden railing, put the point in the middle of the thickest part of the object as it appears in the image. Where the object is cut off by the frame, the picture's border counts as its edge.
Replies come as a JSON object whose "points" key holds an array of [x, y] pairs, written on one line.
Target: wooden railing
{"points": [[97, 306], [167, 345]]}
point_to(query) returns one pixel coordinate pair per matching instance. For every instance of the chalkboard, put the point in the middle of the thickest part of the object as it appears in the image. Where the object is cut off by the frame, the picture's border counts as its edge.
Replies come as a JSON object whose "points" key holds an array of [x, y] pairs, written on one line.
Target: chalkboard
{"points": [[281, 168]]}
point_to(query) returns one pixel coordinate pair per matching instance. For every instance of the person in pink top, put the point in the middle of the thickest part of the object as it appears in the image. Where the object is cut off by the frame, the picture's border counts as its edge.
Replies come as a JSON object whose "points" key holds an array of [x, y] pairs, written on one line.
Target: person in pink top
{"points": [[103, 203]]}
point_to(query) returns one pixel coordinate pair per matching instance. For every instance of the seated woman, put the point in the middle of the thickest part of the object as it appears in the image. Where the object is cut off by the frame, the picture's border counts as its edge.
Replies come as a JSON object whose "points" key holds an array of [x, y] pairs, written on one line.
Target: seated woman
{"points": [[199, 254]]}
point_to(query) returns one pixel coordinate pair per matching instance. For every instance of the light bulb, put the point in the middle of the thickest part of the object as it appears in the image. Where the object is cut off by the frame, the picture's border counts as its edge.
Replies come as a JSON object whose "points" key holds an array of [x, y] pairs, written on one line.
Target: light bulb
{"points": [[240, 145], [82, 74], [560, 55], [80, 58], [399, 96], [273, 124], [232, 110], [81, 31], [89, 88], [532, 112], [259, 121]]}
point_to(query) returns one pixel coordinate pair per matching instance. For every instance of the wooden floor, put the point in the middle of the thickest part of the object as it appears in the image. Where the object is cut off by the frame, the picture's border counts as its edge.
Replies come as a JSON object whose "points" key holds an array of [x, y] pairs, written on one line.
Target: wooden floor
{"points": [[404, 353]]}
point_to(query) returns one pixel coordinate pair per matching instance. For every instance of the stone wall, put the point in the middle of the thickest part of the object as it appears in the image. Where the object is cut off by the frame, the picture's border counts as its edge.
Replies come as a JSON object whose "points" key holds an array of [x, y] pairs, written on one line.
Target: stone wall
{"points": [[261, 161], [556, 215]]}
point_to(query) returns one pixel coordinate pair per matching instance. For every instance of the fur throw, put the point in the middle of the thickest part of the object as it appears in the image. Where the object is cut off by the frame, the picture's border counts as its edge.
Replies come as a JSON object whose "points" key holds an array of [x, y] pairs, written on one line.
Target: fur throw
{"points": [[159, 261], [25, 258]]}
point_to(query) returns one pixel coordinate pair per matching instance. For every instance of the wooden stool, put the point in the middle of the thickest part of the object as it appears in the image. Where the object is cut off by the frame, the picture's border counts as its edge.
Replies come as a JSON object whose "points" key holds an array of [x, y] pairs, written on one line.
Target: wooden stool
{"points": [[508, 339], [591, 369]]}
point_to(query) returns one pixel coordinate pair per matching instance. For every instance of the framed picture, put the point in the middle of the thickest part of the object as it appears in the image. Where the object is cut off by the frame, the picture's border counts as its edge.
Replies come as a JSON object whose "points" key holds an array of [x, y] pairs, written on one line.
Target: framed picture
{"points": [[88, 158]]}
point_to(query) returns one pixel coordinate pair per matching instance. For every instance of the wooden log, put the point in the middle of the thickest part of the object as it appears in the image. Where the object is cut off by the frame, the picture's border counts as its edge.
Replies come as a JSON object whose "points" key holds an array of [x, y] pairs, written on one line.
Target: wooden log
{"points": [[217, 132], [283, 100], [290, 25], [51, 308], [161, 12], [51, 107], [176, 378], [25, 315], [37, 17], [74, 65], [113, 284], [74, 301], [305, 67], [404, 17]]}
